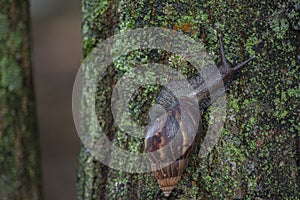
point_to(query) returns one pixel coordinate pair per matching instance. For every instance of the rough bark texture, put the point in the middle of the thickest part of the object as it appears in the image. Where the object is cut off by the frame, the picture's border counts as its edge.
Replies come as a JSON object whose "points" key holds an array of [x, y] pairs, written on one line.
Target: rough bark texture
{"points": [[19, 158], [257, 156]]}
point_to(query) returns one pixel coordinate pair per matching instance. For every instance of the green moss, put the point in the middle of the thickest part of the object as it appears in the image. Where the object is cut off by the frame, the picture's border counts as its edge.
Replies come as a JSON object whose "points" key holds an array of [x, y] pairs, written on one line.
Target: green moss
{"points": [[93, 10], [11, 76], [3, 25], [19, 166]]}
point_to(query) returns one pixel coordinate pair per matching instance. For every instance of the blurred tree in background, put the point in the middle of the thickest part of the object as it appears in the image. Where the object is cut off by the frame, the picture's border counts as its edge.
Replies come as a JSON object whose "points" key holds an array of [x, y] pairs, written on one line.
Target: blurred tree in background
{"points": [[19, 157], [257, 156]]}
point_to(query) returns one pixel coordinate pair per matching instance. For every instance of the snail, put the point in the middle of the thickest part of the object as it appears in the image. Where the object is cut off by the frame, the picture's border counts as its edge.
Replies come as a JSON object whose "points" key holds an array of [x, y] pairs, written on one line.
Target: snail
{"points": [[172, 135]]}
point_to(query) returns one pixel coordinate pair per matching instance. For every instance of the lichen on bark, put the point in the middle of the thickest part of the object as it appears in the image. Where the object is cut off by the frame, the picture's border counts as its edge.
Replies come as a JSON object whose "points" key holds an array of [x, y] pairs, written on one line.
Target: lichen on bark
{"points": [[257, 155]]}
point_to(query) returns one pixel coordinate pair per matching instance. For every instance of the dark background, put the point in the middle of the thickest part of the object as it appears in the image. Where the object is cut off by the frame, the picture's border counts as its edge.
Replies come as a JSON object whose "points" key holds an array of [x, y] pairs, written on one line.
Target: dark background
{"points": [[56, 56]]}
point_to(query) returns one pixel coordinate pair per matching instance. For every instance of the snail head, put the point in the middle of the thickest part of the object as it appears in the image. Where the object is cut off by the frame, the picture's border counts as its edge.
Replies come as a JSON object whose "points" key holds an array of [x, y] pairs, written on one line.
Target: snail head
{"points": [[226, 68]]}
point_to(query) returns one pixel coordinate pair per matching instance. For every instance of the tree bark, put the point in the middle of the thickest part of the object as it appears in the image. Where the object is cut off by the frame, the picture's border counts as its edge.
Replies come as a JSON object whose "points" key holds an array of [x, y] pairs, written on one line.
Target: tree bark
{"points": [[257, 155], [19, 157]]}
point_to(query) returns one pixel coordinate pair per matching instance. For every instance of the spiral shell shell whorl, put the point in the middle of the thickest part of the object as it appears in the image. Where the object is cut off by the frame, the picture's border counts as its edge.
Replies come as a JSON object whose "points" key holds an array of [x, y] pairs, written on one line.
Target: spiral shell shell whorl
{"points": [[169, 141], [167, 177]]}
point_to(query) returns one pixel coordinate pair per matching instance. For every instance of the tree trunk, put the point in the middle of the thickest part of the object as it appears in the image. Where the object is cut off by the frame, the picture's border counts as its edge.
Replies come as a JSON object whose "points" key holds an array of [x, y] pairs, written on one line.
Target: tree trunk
{"points": [[257, 155], [19, 158]]}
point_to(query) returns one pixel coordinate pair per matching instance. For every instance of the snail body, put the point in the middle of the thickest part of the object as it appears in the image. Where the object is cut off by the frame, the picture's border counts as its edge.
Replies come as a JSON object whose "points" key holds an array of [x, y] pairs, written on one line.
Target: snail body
{"points": [[172, 135]]}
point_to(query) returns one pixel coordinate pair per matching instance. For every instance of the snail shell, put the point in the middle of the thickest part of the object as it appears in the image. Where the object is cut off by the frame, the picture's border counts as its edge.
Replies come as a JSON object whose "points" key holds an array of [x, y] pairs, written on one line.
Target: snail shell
{"points": [[172, 136], [169, 141], [167, 177]]}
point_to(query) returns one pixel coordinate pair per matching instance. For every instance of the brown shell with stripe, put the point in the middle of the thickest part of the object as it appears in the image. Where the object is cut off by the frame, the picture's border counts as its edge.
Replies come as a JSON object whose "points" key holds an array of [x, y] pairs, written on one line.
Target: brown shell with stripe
{"points": [[170, 139]]}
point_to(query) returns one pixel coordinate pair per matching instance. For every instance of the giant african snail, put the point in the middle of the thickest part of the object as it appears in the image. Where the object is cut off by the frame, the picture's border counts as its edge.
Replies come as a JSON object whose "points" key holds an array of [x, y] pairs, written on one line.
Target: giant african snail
{"points": [[172, 135]]}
